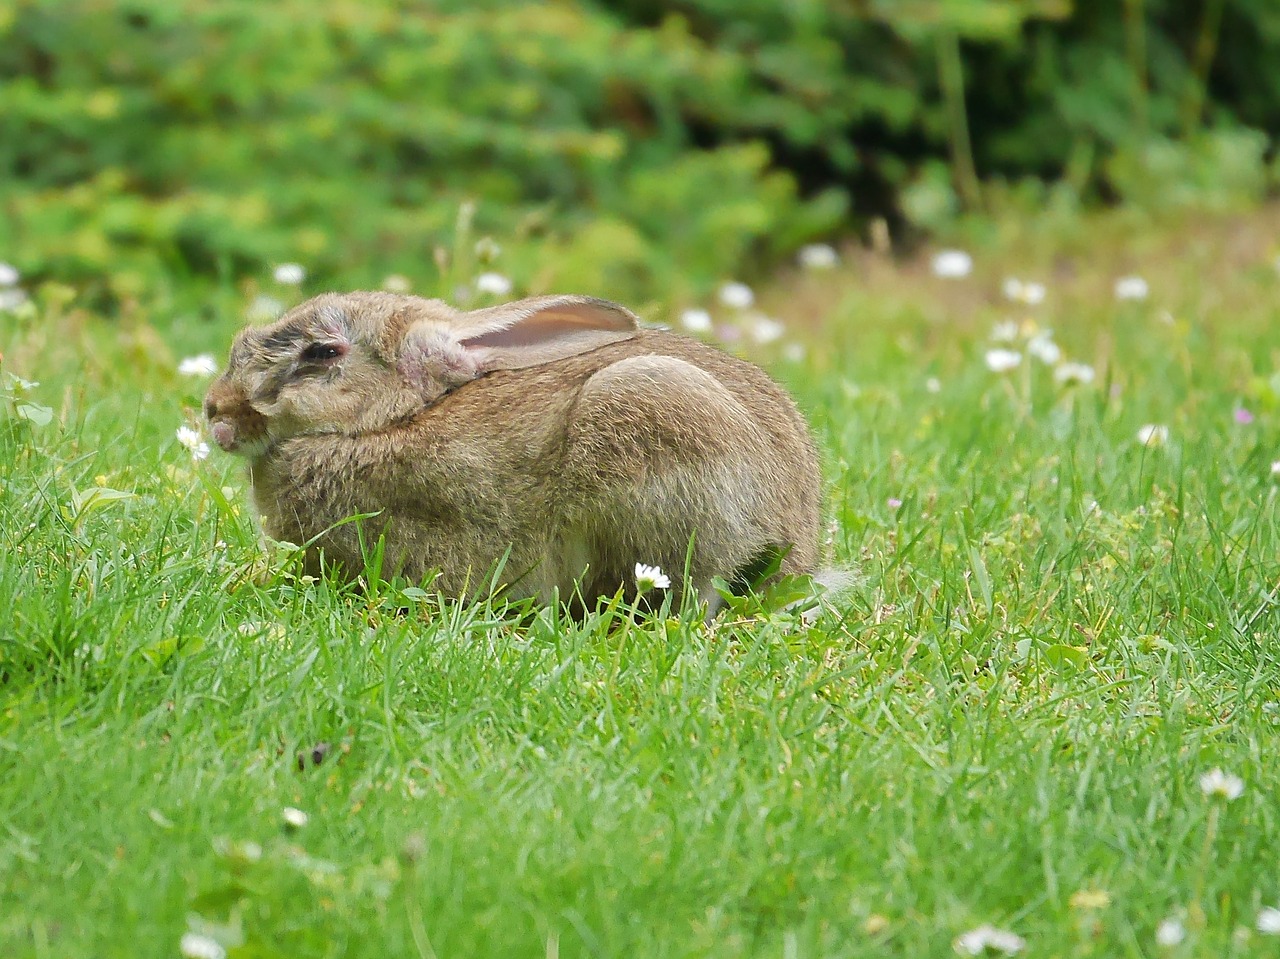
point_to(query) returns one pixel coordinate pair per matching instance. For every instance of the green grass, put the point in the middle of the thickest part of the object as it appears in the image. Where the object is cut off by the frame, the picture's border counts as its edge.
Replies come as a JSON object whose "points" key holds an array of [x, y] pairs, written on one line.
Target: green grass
{"points": [[1014, 704]]}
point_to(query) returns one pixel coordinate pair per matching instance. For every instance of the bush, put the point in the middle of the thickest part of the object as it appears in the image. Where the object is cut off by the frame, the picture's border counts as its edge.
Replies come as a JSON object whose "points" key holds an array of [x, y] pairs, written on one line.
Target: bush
{"points": [[631, 148], [215, 138]]}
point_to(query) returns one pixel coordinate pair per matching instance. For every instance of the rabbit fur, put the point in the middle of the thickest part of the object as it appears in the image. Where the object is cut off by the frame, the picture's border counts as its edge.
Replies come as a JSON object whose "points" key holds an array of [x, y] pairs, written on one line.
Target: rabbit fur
{"points": [[554, 432]]}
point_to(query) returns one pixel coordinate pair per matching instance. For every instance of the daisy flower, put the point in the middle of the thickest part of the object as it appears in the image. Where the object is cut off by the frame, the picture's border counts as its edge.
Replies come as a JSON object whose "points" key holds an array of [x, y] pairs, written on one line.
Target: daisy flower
{"points": [[986, 938], [1216, 783], [1005, 332], [765, 329], [1073, 374], [1269, 921], [193, 945], [696, 321], [651, 577], [1023, 292], [190, 439], [1042, 347], [264, 309], [1153, 435], [1002, 361], [290, 274], [737, 296], [952, 264], [1170, 933], [1131, 288], [494, 284], [817, 256], [202, 365]]}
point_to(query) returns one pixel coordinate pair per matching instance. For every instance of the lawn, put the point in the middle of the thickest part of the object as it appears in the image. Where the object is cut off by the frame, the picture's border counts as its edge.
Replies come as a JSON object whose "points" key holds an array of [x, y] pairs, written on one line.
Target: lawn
{"points": [[1055, 630]]}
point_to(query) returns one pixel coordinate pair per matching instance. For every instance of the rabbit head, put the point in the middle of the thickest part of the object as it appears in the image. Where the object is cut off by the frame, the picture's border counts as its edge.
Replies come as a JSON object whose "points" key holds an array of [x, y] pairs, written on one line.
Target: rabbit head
{"points": [[358, 362]]}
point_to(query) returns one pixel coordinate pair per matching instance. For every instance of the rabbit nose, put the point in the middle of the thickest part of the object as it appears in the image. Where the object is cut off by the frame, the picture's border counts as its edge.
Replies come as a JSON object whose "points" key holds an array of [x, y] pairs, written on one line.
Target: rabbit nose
{"points": [[224, 434]]}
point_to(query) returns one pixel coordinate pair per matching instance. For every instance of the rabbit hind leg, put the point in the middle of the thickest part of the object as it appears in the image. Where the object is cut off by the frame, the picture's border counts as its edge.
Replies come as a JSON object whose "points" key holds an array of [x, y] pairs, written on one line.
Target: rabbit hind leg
{"points": [[660, 454]]}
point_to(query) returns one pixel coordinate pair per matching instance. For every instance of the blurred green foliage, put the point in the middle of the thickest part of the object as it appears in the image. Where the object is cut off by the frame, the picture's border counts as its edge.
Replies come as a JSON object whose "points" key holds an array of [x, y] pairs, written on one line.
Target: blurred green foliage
{"points": [[620, 148]]}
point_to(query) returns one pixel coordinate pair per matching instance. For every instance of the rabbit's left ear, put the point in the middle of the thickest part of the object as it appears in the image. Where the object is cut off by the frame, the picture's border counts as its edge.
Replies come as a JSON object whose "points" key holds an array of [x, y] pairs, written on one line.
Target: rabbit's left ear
{"points": [[438, 355], [540, 330]]}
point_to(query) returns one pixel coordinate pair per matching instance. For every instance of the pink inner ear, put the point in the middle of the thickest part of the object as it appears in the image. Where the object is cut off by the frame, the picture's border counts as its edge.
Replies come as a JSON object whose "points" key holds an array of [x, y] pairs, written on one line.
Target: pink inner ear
{"points": [[550, 324], [432, 360]]}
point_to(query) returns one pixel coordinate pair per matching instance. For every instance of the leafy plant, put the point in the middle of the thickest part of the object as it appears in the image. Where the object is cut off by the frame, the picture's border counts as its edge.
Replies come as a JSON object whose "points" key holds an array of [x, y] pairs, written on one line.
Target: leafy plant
{"points": [[17, 403], [628, 147]]}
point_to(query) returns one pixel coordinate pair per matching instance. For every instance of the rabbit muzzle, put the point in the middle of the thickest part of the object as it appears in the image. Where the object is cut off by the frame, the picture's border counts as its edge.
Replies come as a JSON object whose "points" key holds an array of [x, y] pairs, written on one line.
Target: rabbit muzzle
{"points": [[235, 425]]}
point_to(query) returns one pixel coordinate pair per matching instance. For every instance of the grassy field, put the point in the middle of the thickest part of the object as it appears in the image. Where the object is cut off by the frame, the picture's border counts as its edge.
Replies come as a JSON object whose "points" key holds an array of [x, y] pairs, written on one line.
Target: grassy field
{"points": [[1056, 630]]}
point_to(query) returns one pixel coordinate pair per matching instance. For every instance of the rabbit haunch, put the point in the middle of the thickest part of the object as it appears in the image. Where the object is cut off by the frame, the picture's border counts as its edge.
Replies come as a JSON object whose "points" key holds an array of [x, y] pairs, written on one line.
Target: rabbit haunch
{"points": [[554, 433]]}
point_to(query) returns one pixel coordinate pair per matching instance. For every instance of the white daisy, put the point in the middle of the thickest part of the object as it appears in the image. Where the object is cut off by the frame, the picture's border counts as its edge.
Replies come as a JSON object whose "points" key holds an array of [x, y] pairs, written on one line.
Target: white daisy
{"points": [[765, 329], [11, 298], [191, 440], [817, 256], [737, 296], [975, 942], [263, 309], [494, 284], [1042, 347], [1005, 332], [193, 945], [1216, 783], [17, 384], [1170, 932], [1269, 921], [202, 365], [651, 577], [294, 818], [1023, 292], [952, 264], [1002, 361], [9, 274], [1073, 374], [1153, 434], [290, 274], [1131, 288], [696, 321]]}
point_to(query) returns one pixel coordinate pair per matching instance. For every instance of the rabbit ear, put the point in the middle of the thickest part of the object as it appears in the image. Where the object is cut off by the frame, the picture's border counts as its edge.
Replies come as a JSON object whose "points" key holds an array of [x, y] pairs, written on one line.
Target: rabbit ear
{"points": [[540, 330], [437, 355]]}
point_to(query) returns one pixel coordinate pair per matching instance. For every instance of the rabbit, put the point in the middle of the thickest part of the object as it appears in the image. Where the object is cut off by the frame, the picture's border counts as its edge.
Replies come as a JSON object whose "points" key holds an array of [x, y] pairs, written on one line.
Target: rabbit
{"points": [[553, 440]]}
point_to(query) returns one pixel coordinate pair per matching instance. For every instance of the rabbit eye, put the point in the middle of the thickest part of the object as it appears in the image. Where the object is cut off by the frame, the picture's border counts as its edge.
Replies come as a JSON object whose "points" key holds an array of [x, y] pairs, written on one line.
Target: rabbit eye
{"points": [[320, 353]]}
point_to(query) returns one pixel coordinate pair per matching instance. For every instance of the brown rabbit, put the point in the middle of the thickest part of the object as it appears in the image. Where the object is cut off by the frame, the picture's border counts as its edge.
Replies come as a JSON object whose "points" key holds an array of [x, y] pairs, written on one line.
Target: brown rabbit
{"points": [[553, 431]]}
